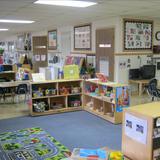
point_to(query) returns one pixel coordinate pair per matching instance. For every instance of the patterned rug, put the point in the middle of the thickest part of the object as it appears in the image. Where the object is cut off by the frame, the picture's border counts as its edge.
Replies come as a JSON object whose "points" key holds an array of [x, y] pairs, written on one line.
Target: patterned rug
{"points": [[31, 144]]}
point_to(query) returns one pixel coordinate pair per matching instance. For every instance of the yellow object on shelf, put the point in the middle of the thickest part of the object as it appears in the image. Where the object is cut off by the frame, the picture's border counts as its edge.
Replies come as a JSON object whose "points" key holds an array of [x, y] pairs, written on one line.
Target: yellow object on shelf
{"points": [[71, 72]]}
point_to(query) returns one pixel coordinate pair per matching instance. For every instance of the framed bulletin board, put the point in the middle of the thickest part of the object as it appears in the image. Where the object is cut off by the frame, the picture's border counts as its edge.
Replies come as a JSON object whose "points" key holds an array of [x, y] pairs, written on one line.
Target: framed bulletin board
{"points": [[82, 37], [138, 35], [52, 39]]}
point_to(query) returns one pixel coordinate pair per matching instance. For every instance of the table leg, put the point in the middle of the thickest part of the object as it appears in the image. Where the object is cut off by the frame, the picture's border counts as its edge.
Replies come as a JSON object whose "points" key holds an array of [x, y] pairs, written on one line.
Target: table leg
{"points": [[140, 89]]}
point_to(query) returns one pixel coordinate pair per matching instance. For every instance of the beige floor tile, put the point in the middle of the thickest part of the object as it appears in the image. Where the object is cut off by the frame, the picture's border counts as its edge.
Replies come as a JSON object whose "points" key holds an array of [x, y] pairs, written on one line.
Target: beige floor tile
{"points": [[10, 110]]}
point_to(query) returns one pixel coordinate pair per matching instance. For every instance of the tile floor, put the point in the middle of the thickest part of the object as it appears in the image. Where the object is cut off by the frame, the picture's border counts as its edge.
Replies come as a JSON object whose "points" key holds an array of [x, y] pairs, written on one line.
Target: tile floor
{"points": [[10, 110]]}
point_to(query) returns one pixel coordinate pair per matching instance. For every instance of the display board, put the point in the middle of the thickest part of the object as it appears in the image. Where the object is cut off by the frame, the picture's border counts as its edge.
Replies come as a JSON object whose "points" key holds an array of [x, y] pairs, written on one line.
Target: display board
{"points": [[137, 35], [52, 40], [82, 37]]}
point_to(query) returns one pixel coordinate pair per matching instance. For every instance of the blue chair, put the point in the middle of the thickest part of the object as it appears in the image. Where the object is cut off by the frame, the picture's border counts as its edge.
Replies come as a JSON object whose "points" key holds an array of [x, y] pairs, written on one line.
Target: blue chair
{"points": [[22, 89]]}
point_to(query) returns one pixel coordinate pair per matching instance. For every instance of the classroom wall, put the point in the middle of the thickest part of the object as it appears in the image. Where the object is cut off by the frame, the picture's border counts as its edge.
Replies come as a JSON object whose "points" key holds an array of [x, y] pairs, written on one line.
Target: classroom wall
{"points": [[66, 43], [121, 73]]}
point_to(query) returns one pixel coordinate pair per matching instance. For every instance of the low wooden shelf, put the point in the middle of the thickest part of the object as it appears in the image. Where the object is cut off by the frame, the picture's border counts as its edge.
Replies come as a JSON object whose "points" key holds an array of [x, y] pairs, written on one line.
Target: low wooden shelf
{"points": [[64, 98], [145, 121], [101, 105]]}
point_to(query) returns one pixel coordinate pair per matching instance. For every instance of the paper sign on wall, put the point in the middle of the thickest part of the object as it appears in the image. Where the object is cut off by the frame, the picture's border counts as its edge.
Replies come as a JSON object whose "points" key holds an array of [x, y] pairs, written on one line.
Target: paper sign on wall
{"points": [[43, 57], [136, 128], [104, 67], [37, 58]]}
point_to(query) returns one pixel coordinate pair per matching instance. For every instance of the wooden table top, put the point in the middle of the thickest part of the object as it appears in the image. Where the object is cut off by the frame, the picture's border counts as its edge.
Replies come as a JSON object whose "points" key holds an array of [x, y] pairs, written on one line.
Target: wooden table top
{"points": [[12, 84], [144, 81], [6, 72]]}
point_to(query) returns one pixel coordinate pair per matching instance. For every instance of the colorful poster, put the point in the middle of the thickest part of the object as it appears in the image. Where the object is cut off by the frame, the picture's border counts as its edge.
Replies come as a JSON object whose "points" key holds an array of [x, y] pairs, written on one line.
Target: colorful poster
{"points": [[122, 98], [52, 39], [136, 128]]}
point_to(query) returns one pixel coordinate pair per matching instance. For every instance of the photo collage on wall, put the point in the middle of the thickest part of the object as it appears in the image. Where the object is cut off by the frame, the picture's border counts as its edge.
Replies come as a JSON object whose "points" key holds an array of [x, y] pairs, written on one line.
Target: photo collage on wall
{"points": [[137, 35], [82, 37]]}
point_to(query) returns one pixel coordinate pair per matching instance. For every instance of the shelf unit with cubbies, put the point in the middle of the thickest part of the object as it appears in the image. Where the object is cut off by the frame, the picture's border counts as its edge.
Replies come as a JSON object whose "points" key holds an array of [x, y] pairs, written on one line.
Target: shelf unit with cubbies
{"points": [[49, 97], [105, 100], [141, 132]]}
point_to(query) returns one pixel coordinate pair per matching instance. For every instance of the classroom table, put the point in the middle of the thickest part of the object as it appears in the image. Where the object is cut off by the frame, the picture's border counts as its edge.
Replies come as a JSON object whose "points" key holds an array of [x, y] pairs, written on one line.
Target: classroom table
{"points": [[12, 86], [141, 84]]}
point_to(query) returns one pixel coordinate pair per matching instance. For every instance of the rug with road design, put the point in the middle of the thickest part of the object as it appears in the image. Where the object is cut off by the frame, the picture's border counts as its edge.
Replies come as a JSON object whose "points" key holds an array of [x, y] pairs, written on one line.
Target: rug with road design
{"points": [[31, 144]]}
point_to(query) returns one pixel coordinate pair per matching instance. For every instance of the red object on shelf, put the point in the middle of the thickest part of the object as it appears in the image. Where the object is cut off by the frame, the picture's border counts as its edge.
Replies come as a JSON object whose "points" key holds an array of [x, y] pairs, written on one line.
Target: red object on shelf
{"points": [[1, 59], [102, 77]]}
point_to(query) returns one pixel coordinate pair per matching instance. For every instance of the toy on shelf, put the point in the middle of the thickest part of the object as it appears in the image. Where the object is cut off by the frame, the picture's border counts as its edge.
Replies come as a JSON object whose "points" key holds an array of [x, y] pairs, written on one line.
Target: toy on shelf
{"points": [[92, 89], [75, 103], [116, 155], [75, 90], [102, 77], [64, 90], [40, 106], [50, 92], [38, 93]]}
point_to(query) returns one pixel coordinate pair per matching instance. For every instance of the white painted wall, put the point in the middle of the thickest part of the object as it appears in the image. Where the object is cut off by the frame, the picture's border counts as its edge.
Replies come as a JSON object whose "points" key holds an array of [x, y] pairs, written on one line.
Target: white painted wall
{"points": [[105, 23], [121, 75], [66, 43]]}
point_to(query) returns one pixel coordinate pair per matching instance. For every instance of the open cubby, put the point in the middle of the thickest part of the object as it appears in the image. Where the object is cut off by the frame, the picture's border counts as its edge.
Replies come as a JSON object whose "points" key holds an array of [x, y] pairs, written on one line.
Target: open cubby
{"points": [[73, 87], [74, 101], [109, 109], [57, 103], [40, 105], [42, 90]]}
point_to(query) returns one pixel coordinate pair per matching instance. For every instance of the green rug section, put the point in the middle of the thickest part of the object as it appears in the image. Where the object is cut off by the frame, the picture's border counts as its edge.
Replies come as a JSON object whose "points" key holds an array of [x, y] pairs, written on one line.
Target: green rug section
{"points": [[31, 144]]}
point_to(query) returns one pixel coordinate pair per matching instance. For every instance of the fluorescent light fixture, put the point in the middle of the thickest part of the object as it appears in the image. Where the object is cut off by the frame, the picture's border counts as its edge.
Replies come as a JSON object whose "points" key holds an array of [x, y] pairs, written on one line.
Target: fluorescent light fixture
{"points": [[105, 45], [3, 29], [69, 3], [14, 21]]}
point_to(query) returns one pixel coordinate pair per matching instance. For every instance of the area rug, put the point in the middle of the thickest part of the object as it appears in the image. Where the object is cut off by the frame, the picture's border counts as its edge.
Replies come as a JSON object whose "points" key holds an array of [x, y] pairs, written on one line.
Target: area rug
{"points": [[31, 144]]}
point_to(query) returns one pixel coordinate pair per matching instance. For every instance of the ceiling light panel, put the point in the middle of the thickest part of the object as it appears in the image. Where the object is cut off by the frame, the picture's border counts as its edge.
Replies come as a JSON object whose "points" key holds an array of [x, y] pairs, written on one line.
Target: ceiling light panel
{"points": [[15, 21], [3, 29], [69, 3]]}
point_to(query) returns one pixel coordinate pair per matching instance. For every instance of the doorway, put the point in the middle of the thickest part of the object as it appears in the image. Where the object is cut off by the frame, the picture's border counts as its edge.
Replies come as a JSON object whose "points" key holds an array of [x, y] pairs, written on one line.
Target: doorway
{"points": [[105, 51]]}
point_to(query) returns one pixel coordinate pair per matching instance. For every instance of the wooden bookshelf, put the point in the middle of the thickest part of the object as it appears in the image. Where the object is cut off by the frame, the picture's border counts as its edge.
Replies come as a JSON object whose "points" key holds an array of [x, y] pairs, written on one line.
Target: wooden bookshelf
{"points": [[141, 132], [66, 92], [102, 99]]}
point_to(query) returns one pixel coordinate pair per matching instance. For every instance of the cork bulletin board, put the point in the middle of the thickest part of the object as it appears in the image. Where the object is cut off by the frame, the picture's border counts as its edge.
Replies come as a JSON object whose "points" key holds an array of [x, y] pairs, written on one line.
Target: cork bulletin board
{"points": [[138, 35]]}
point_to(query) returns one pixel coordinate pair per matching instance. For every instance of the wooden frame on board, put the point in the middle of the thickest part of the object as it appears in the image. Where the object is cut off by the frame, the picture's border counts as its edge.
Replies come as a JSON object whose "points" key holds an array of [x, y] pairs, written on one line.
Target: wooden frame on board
{"points": [[82, 37], [138, 35]]}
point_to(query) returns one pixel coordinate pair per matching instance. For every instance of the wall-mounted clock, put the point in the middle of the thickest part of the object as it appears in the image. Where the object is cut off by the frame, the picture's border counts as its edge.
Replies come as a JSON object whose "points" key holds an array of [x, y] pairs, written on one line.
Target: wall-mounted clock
{"points": [[157, 35]]}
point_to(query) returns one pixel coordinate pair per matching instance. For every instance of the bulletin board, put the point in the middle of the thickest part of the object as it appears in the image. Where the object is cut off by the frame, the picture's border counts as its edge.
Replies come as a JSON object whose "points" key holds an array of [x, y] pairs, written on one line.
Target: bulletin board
{"points": [[82, 37], [138, 35], [52, 40]]}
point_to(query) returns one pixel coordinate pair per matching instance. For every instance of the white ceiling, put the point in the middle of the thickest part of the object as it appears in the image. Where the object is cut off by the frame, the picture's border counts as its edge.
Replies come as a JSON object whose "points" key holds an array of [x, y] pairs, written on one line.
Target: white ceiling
{"points": [[48, 17]]}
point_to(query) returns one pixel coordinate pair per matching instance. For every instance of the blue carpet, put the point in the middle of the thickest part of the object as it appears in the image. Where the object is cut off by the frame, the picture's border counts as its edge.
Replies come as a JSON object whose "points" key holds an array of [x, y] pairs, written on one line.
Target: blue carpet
{"points": [[74, 129]]}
